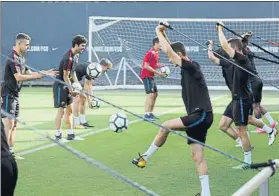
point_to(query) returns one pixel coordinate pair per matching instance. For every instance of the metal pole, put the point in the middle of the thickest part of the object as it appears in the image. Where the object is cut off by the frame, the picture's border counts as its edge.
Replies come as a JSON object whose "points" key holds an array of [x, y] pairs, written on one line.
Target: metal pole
{"points": [[264, 189], [257, 181]]}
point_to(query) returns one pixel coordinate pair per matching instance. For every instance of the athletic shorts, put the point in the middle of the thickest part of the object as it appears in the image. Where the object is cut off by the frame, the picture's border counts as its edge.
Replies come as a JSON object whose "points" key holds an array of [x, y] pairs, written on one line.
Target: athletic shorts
{"points": [[150, 85], [9, 174], [10, 104], [228, 111], [241, 109], [61, 96], [257, 88], [197, 123]]}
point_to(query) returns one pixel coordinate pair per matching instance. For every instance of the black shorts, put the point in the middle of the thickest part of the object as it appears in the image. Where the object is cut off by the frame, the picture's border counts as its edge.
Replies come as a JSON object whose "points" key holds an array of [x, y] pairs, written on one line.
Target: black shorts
{"points": [[150, 85], [10, 105], [61, 96], [197, 123], [228, 111], [241, 109], [257, 88], [9, 174]]}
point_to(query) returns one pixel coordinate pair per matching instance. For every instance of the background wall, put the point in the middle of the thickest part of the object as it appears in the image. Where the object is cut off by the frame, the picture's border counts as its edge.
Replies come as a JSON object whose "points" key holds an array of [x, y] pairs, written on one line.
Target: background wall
{"points": [[52, 25]]}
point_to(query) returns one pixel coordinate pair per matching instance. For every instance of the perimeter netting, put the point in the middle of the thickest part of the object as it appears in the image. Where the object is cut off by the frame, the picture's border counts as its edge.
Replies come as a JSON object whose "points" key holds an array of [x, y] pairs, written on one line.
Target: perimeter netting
{"points": [[126, 40]]}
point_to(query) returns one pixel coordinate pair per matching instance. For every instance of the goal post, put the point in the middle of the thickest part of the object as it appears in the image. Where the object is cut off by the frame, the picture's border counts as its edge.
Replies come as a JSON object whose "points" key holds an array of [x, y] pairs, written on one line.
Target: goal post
{"points": [[125, 40]]}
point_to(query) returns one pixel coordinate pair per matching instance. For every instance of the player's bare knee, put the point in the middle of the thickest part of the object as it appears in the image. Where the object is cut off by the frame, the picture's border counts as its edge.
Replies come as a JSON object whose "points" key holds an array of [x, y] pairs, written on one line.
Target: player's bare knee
{"points": [[241, 131], [166, 125]]}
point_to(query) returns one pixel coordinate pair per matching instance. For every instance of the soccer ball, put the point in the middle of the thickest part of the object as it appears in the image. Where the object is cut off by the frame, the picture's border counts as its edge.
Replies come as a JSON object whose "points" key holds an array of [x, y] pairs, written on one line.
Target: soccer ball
{"points": [[165, 70], [95, 103], [118, 122], [94, 70], [76, 87]]}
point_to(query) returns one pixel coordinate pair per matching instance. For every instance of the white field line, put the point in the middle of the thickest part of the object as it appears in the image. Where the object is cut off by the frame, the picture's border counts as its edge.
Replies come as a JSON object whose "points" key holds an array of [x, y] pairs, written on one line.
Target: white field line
{"points": [[93, 132]]}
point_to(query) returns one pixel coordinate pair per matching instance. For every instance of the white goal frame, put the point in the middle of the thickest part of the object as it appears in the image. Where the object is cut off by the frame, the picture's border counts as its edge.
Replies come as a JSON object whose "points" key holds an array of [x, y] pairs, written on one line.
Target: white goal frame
{"points": [[123, 64]]}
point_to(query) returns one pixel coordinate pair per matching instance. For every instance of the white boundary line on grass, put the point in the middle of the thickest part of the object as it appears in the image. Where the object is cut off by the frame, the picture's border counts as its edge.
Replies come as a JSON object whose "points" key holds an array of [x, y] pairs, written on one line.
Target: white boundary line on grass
{"points": [[43, 147]]}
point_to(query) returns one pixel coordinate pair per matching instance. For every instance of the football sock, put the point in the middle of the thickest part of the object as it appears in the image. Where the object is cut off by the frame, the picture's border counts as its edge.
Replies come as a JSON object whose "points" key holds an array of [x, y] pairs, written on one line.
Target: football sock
{"points": [[152, 148], [204, 179], [82, 119]]}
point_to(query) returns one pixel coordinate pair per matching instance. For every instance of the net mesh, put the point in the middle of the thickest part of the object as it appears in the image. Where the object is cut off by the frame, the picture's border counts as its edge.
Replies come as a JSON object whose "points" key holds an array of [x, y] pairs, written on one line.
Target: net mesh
{"points": [[117, 38]]}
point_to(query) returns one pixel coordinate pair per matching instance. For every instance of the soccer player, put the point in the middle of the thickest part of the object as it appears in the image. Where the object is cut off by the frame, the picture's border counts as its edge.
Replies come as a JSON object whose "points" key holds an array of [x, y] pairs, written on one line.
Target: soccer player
{"points": [[80, 100], [227, 118], [241, 103], [198, 106], [256, 86], [15, 74], [149, 66], [62, 94]]}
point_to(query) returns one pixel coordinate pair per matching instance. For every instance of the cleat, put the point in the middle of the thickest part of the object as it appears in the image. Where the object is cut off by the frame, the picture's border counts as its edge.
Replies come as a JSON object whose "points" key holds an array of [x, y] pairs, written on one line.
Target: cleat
{"points": [[60, 139], [87, 125], [74, 137], [154, 117], [148, 117], [272, 137], [139, 162], [198, 194], [71, 137], [259, 130], [79, 127], [242, 166]]}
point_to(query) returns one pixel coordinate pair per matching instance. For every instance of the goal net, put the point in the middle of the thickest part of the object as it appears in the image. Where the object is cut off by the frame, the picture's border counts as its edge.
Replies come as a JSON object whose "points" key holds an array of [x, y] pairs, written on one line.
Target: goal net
{"points": [[126, 40]]}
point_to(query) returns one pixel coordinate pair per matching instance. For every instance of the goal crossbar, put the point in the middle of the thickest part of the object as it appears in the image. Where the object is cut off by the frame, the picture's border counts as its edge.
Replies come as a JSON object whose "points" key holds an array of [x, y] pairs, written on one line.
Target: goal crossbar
{"points": [[185, 19]]}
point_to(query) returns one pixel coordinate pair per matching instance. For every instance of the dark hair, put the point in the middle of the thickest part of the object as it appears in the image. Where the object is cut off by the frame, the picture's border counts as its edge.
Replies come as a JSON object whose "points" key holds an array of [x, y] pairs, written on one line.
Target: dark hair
{"points": [[178, 47], [155, 40], [22, 36], [236, 44], [78, 39]]}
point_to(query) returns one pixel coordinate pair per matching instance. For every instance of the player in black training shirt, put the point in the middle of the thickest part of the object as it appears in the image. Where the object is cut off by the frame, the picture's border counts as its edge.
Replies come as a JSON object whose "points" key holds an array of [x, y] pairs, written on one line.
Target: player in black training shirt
{"points": [[80, 100], [15, 74], [227, 118], [62, 94], [242, 100], [198, 106], [256, 85]]}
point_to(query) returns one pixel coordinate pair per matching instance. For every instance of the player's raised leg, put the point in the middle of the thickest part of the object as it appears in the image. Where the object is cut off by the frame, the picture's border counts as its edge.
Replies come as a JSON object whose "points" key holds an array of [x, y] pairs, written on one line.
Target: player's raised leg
{"points": [[159, 141], [272, 132], [270, 119]]}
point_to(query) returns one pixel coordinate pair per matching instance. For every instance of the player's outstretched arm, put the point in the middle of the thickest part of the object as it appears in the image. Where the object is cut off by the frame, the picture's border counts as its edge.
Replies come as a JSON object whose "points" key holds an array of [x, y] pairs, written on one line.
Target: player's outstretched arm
{"points": [[211, 56], [223, 41], [15, 68], [166, 47]]}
